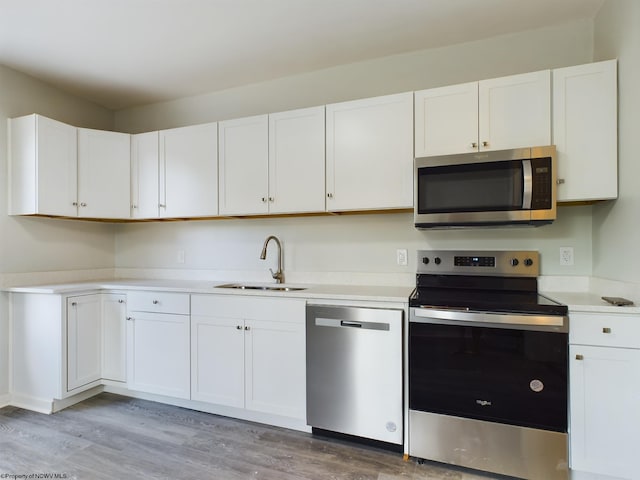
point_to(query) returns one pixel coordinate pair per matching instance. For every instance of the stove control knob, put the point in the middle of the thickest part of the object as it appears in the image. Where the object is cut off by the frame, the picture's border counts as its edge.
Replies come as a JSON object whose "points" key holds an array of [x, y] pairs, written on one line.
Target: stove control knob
{"points": [[437, 260], [514, 262], [425, 260], [528, 262]]}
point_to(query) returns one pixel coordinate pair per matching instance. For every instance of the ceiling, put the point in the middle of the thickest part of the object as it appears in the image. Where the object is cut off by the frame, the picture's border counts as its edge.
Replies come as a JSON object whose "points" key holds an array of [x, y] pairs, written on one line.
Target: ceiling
{"points": [[123, 53]]}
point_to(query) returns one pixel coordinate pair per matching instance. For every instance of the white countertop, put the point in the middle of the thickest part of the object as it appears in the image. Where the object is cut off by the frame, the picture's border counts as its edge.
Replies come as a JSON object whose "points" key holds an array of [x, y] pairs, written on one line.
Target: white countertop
{"points": [[576, 301], [311, 291], [590, 302]]}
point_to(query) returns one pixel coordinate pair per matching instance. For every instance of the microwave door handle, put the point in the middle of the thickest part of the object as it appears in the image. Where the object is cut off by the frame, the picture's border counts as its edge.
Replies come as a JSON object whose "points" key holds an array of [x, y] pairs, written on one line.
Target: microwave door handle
{"points": [[528, 184]]}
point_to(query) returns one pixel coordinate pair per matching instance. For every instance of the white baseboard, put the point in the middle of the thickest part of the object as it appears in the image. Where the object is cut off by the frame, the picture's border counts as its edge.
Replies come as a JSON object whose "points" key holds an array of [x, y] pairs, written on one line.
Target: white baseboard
{"points": [[39, 405], [67, 402], [49, 406], [239, 413]]}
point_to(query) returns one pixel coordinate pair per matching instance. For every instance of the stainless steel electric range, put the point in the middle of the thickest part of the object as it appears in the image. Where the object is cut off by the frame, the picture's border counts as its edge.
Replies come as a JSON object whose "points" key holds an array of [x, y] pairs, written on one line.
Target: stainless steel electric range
{"points": [[488, 363]]}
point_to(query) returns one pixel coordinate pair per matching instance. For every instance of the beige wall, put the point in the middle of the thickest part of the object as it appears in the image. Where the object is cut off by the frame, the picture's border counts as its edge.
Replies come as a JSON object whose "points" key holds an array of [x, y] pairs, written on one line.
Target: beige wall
{"points": [[30, 245], [355, 244], [524, 52], [616, 225]]}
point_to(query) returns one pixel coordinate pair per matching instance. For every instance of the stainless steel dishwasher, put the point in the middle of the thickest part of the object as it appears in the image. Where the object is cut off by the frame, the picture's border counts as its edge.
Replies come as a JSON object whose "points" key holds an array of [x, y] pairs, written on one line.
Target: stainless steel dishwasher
{"points": [[354, 371]]}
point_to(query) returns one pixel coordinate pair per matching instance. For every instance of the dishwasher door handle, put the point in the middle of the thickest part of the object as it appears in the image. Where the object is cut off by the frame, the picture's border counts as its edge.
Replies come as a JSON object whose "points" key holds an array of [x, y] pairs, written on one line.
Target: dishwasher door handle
{"points": [[344, 323], [336, 322]]}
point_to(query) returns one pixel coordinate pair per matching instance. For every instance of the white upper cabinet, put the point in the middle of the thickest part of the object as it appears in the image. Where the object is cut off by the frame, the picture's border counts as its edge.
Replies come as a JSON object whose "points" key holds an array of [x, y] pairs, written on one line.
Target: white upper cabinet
{"points": [[515, 111], [585, 131], [273, 163], [297, 161], [495, 114], [370, 153], [446, 120], [189, 171], [145, 175], [244, 166], [42, 167], [103, 174]]}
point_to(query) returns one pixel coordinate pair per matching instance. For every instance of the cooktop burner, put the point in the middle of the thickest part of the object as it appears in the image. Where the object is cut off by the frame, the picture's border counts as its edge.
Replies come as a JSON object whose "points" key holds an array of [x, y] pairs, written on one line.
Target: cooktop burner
{"points": [[490, 281], [482, 300]]}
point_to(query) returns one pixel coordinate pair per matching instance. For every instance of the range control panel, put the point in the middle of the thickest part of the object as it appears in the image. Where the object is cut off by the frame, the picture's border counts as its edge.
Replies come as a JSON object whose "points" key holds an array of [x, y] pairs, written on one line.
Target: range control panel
{"points": [[491, 263]]}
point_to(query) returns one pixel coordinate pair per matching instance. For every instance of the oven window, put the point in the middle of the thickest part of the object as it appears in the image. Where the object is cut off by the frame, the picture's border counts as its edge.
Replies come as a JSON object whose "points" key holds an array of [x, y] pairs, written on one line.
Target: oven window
{"points": [[517, 377], [491, 186]]}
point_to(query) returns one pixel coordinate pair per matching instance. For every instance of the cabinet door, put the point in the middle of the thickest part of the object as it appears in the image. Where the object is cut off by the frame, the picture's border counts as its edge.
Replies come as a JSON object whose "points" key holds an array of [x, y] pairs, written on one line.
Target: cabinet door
{"points": [[158, 353], [189, 171], [217, 360], [296, 161], [446, 120], [275, 368], [604, 396], [103, 174], [370, 153], [145, 175], [585, 131], [42, 167], [84, 340], [515, 111], [244, 160], [114, 337]]}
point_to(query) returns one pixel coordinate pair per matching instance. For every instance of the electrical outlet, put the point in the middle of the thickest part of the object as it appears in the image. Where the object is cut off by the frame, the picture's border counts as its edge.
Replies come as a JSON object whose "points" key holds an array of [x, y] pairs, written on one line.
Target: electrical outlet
{"points": [[180, 256], [401, 256], [566, 256]]}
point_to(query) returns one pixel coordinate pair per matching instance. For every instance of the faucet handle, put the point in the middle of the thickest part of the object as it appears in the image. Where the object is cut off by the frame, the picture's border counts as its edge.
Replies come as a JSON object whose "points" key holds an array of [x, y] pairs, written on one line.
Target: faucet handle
{"points": [[276, 275]]}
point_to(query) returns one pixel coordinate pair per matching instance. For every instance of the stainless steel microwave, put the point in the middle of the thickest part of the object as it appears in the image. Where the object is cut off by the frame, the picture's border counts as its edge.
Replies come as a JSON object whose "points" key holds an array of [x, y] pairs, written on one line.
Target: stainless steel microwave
{"points": [[504, 187]]}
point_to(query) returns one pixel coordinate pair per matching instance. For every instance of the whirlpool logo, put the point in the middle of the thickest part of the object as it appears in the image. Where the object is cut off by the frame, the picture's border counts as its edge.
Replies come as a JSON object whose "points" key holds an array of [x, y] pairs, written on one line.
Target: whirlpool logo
{"points": [[483, 403]]}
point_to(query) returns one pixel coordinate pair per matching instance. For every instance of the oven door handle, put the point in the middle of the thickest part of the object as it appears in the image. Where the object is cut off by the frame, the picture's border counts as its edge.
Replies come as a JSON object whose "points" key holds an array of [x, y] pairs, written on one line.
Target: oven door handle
{"points": [[428, 315]]}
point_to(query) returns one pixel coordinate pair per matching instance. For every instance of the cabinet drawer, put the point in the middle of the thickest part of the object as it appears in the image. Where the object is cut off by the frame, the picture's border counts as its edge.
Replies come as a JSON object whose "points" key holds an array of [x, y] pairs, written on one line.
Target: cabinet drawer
{"points": [[248, 308], [607, 330], [161, 302]]}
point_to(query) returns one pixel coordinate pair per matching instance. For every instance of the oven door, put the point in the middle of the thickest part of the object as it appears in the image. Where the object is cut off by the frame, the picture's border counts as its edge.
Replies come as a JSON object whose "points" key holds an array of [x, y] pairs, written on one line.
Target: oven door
{"points": [[512, 374]]}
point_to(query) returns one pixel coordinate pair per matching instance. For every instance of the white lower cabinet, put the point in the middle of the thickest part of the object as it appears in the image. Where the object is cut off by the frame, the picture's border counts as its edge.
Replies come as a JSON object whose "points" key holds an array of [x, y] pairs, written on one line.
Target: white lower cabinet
{"points": [[249, 352], [158, 344], [114, 337], [84, 340], [604, 394], [64, 345]]}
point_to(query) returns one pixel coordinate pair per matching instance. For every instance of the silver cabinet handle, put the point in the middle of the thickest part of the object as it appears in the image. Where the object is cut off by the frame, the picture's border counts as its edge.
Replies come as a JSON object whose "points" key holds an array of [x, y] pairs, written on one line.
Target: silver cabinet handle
{"points": [[162, 205], [134, 206], [120, 300], [485, 144], [75, 204], [130, 319], [579, 357], [560, 181], [74, 304], [330, 195], [606, 330], [156, 302], [238, 327], [83, 204], [474, 145], [271, 199], [264, 199], [247, 327]]}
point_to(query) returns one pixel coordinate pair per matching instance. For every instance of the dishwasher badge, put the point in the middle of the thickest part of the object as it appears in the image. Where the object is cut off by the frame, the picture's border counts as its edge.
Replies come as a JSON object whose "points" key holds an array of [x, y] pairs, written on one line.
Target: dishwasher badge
{"points": [[536, 385]]}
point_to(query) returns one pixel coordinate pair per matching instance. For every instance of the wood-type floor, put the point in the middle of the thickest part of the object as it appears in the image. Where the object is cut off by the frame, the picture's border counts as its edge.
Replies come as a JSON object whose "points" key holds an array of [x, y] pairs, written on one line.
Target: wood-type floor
{"points": [[112, 437]]}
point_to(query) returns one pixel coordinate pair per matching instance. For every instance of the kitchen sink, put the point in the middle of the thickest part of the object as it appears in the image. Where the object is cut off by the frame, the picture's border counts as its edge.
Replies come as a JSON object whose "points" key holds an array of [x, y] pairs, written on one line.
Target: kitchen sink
{"points": [[271, 288]]}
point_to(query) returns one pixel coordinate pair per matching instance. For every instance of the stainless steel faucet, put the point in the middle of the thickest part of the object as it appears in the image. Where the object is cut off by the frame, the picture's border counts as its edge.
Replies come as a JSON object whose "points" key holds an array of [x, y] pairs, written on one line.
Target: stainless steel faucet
{"points": [[279, 274]]}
